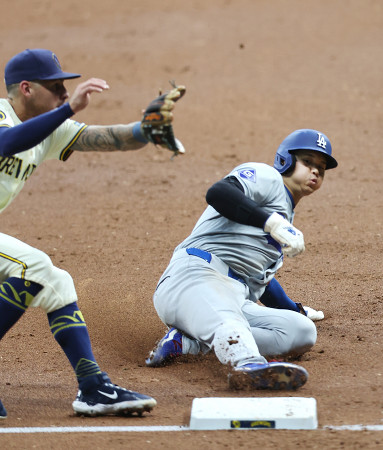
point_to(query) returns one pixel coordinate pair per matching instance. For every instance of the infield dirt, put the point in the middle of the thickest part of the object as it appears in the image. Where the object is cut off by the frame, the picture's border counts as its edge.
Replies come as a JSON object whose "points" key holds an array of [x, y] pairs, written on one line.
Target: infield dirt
{"points": [[254, 72]]}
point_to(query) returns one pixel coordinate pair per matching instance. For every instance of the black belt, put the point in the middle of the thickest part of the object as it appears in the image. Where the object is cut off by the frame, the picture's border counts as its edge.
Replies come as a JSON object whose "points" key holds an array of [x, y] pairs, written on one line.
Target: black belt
{"points": [[203, 254]]}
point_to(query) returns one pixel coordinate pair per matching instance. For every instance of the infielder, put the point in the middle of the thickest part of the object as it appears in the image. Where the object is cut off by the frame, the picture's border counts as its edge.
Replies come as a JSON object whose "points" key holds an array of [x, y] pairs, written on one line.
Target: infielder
{"points": [[35, 126], [208, 294]]}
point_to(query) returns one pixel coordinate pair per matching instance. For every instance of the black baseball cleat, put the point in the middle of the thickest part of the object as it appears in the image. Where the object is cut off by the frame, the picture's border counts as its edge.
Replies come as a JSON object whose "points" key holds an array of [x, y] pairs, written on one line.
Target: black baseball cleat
{"points": [[3, 412], [105, 398], [272, 375]]}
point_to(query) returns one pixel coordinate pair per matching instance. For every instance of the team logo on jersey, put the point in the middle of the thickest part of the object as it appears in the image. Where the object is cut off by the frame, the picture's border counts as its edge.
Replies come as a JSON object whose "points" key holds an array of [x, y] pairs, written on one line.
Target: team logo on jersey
{"points": [[2, 116], [321, 141], [248, 174]]}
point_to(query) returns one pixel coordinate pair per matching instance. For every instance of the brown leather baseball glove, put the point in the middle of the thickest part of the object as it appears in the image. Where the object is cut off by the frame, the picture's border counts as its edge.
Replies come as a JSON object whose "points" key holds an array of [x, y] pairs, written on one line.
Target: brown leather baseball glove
{"points": [[156, 123]]}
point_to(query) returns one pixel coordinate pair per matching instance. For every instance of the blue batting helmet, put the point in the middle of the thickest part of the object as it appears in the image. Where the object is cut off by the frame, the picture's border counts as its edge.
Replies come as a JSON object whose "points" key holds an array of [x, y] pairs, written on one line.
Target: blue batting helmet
{"points": [[305, 139]]}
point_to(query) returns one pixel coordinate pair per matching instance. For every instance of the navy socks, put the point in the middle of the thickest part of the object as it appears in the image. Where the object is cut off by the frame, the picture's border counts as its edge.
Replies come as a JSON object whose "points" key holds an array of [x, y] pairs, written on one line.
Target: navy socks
{"points": [[67, 324], [16, 294], [69, 329]]}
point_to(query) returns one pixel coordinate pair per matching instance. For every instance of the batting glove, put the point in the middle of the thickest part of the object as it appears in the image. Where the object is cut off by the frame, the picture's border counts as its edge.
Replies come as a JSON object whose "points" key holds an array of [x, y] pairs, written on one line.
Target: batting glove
{"points": [[313, 314], [290, 238]]}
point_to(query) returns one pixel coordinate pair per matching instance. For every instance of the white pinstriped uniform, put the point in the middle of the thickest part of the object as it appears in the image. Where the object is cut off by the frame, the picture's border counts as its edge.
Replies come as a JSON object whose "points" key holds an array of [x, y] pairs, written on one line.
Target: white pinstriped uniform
{"points": [[18, 259]]}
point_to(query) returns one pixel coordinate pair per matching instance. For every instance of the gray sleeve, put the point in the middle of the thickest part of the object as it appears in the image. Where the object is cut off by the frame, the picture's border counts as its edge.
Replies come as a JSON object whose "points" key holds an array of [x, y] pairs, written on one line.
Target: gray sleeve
{"points": [[263, 184]]}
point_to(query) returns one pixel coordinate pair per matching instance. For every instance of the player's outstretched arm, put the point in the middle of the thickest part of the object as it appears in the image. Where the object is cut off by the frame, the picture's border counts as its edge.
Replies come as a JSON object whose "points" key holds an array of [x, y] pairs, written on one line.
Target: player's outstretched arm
{"points": [[100, 138], [155, 126], [107, 138]]}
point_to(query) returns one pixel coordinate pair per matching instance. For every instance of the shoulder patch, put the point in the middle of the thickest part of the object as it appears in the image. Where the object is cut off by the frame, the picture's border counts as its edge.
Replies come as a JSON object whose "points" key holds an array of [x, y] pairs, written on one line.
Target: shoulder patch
{"points": [[248, 174], [2, 116]]}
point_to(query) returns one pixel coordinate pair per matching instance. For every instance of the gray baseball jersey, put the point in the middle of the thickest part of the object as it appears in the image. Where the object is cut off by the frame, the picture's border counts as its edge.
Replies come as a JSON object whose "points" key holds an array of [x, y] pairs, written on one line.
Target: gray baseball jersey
{"points": [[248, 250], [210, 287]]}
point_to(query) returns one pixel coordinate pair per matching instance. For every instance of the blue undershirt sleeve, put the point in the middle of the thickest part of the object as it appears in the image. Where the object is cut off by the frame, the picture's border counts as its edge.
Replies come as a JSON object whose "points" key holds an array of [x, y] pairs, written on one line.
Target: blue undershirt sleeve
{"points": [[33, 131], [275, 297]]}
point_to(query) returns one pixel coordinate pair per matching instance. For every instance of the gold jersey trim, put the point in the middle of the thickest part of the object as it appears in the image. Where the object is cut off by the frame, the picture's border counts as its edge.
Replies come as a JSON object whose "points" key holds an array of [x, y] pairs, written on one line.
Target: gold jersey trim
{"points": [[64, 155], [23, 265]]}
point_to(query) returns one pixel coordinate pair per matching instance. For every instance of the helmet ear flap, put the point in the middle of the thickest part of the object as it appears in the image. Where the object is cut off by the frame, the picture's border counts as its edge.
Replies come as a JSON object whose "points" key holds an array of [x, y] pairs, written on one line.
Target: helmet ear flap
{"points": [[284, 162], [291, 168]]}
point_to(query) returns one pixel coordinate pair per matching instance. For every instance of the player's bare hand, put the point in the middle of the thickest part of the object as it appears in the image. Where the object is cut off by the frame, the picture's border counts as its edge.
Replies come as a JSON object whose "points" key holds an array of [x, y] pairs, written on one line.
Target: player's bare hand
{"points": [[81, 95]]}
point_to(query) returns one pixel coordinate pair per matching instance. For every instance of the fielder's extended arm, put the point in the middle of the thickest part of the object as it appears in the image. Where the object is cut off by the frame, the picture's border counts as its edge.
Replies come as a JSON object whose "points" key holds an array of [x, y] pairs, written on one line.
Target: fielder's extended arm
{"points": [[33, 131]]}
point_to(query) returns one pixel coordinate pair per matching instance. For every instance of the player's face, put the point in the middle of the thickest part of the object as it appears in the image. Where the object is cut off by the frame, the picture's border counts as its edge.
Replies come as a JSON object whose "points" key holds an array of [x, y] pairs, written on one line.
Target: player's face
{"points": [[47, 95], [308, 173]]}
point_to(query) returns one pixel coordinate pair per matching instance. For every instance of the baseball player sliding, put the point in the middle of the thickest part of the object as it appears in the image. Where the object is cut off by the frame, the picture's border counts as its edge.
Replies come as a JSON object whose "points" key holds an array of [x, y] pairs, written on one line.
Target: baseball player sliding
{"points": [[209, 292], [35, 126]]}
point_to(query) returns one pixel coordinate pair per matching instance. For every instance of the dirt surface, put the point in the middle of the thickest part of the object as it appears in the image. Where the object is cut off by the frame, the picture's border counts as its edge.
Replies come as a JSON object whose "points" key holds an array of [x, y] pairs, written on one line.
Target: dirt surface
{"points": [[254, 71]]}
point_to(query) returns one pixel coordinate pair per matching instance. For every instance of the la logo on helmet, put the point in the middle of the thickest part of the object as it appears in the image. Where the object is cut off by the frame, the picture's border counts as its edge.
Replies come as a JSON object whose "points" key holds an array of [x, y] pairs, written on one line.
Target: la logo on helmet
{"points": [[321, 141]]}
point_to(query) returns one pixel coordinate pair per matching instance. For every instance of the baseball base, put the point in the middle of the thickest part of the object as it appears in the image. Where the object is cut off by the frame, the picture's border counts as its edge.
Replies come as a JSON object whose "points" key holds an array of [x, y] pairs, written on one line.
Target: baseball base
{"points": [[293, 413]]}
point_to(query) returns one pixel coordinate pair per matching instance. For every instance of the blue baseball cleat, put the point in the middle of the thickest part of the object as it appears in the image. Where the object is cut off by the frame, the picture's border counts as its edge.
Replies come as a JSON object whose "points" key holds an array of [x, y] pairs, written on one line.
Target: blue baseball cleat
{"points": [[166, 350], [105, 398], [3, 412], [272, 375]]}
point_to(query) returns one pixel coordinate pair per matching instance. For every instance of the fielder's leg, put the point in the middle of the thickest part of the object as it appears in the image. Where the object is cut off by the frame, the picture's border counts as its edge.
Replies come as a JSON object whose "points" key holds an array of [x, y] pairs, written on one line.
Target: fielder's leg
{"points": [[69, 329], [53, 290], [3, 412], [97, 395], [16, 294]]}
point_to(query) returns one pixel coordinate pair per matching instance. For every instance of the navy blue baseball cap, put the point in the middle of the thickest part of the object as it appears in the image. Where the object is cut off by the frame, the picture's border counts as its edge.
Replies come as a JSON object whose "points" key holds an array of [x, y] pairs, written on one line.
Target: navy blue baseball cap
{"points": [[35, 64]]}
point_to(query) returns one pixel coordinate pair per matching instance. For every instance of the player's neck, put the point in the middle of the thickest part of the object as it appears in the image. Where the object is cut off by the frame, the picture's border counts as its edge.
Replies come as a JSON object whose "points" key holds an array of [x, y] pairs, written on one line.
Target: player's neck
{"points": [[19, 109], [295, 194]]}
